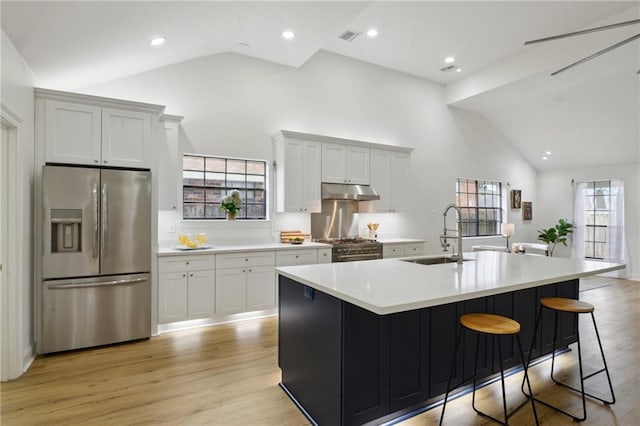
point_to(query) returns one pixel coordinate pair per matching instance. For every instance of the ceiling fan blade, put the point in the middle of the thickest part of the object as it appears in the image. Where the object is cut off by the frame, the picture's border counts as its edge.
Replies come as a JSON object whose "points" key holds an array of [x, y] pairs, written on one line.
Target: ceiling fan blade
{"points": [[590, 30], [598, 53]]}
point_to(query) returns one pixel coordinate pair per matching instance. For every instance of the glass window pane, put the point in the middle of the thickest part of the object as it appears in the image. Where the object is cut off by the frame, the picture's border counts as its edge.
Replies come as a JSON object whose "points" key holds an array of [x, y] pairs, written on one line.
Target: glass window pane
{"points": [[236, 166], [216, 164], [255, 168], [600, 235], [193, 194], [192, 178], [235, 181], [190, 162], [214, 179], [193, 210]]}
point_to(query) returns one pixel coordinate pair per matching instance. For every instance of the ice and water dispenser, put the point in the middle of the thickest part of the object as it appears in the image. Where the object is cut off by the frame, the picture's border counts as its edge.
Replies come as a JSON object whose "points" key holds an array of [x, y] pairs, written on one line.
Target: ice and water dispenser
{"points": [[66, 230]]}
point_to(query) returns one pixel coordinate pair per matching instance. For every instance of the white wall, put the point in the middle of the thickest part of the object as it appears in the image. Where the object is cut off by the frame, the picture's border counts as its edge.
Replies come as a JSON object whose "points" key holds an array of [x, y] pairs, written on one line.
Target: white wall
{"points": [[17, 95], [556, 195], [233, 103]]}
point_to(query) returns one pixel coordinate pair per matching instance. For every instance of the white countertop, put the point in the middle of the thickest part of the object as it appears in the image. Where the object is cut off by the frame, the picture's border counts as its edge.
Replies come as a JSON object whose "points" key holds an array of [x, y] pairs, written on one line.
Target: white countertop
{"points": [[216, 249], [388, 286]]}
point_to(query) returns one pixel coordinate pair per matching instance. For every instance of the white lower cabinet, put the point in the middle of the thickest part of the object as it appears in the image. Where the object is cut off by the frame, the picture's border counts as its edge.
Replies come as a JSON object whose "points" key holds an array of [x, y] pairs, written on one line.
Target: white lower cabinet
{"points": [[186, 288], [244, 282], [213, 286]]}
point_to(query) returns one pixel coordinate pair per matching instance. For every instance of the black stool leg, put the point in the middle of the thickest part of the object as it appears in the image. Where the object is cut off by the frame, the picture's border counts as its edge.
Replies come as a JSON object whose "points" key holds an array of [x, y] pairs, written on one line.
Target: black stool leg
{"points": [[526, 377], [453, 366], [606, 369], [533, 341]]}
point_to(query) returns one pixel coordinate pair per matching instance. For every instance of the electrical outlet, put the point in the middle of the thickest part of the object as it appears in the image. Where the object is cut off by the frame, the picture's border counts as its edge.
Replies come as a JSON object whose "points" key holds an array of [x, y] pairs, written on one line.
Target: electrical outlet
{"points": [[172, 228]]}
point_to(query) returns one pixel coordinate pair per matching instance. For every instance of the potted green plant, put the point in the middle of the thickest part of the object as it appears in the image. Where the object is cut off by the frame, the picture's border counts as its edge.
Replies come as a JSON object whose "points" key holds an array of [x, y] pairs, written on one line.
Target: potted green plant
{"points": [[556, 235], [231, 205]]}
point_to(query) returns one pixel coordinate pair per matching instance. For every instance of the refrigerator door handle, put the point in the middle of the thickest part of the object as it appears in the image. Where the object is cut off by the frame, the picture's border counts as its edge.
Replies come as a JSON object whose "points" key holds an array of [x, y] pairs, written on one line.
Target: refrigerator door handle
{"points": [[105, 221], [67, 286], [94, 204]]}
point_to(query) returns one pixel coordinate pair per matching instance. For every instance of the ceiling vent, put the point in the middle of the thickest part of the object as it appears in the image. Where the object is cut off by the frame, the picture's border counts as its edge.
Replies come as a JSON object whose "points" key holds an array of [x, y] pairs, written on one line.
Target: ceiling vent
{"points": [[349, 35]]}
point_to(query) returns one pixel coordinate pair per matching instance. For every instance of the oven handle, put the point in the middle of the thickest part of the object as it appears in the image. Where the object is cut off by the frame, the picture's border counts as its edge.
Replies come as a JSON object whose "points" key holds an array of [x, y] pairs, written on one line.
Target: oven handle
{"points": [[366, 256]]}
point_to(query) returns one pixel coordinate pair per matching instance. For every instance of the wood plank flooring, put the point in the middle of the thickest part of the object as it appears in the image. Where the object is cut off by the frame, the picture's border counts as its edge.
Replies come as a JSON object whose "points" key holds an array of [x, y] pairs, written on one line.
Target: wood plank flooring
{"points": [[228, 375]]}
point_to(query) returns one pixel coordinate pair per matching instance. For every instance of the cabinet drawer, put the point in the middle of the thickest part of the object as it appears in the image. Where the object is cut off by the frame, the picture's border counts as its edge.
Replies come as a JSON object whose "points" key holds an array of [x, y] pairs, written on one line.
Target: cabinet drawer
{"points": [[296, 257], [413, 249], [250, 258], [392, 250], [324, 255], [185, 263]]}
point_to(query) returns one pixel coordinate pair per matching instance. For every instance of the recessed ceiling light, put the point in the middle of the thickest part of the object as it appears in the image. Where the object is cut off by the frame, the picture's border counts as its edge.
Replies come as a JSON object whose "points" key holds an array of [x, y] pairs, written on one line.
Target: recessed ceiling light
{"points": [[242, 46], [458, 69], [288, 35], [545, 158], [449, 60], [372, 32], [548, 152], [158, 41]]}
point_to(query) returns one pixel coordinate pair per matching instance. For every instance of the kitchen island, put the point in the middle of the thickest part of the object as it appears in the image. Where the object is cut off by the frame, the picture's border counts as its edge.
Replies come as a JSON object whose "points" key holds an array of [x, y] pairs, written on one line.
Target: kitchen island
{"points": [[372, 341]]}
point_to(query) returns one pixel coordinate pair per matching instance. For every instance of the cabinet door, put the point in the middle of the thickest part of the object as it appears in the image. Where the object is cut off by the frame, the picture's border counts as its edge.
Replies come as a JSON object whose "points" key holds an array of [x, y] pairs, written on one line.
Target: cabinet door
{"points": [[311, 176], [302, 176], [231, 291], [169, 166], [358, 165], [201, 294], [172, 297], [381, 180], [126, 138], [399, 181], [261, 289], [72, 133], [334, 163]]}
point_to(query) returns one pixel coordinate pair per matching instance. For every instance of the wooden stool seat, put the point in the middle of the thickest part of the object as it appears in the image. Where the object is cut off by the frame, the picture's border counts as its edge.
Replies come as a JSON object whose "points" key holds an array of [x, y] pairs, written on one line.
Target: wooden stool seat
{"points": [[564, 304], [490, 324]]}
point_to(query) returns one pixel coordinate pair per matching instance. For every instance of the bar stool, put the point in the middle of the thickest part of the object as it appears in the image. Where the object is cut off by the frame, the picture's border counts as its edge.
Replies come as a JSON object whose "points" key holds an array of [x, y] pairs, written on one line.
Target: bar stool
{"points": [[561, 304], [495, 325]]}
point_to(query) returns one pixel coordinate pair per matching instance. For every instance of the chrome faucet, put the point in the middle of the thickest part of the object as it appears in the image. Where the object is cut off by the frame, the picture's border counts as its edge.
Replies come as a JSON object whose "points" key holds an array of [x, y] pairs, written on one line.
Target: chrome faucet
{"points": [[457, 256]]}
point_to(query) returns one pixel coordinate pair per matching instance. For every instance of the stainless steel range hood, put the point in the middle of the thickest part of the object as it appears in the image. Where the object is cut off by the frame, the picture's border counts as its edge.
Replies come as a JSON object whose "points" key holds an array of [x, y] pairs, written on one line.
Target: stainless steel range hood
{"points": [[339, 191]]}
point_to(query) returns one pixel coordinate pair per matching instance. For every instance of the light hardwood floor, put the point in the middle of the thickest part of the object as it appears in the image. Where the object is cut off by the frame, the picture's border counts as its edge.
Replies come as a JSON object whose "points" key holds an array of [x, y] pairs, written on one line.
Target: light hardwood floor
{"points": [[228, 375]]}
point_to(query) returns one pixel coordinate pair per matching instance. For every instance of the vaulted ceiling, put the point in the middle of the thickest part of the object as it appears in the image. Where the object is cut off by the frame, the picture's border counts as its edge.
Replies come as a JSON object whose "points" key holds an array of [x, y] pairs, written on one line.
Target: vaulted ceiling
{"points": [[586, 116]]}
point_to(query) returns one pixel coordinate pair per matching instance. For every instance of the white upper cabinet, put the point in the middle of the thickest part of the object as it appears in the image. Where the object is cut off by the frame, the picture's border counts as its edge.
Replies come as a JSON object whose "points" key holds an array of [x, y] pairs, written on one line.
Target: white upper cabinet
{"points": [[73, 133], [126, 138], [88, 130], [345, 164], [390, 178], [298, 175]]}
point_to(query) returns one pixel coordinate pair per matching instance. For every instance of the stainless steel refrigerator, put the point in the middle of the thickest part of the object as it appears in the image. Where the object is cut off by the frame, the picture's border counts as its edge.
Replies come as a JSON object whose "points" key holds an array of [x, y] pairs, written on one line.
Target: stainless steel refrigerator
{"points": [[96, 258]]}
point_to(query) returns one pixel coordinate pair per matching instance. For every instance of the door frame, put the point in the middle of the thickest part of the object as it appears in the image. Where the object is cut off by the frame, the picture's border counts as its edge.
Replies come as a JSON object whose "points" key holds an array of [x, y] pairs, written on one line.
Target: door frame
{"points": [[12, 291]]}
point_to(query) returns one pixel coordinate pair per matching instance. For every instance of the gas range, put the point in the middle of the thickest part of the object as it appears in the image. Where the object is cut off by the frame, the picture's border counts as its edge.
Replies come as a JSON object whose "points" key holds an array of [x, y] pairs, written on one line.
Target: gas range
{"points": [[352, 249]]}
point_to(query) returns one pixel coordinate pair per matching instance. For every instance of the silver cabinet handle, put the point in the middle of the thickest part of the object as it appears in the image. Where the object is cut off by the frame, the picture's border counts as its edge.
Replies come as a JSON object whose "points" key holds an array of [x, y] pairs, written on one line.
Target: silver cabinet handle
{"points": [[96, 284], [105, 220], [94, 209]]}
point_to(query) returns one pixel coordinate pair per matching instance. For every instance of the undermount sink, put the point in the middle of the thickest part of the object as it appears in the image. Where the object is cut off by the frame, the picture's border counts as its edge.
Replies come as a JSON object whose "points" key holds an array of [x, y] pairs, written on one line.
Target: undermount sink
{"points": [[432, 260]]}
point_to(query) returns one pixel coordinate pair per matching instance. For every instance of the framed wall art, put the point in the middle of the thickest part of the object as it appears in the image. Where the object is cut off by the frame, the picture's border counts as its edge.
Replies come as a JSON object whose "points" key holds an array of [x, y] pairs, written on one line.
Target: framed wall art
{"points": [[516, 198], [527, 210]]}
